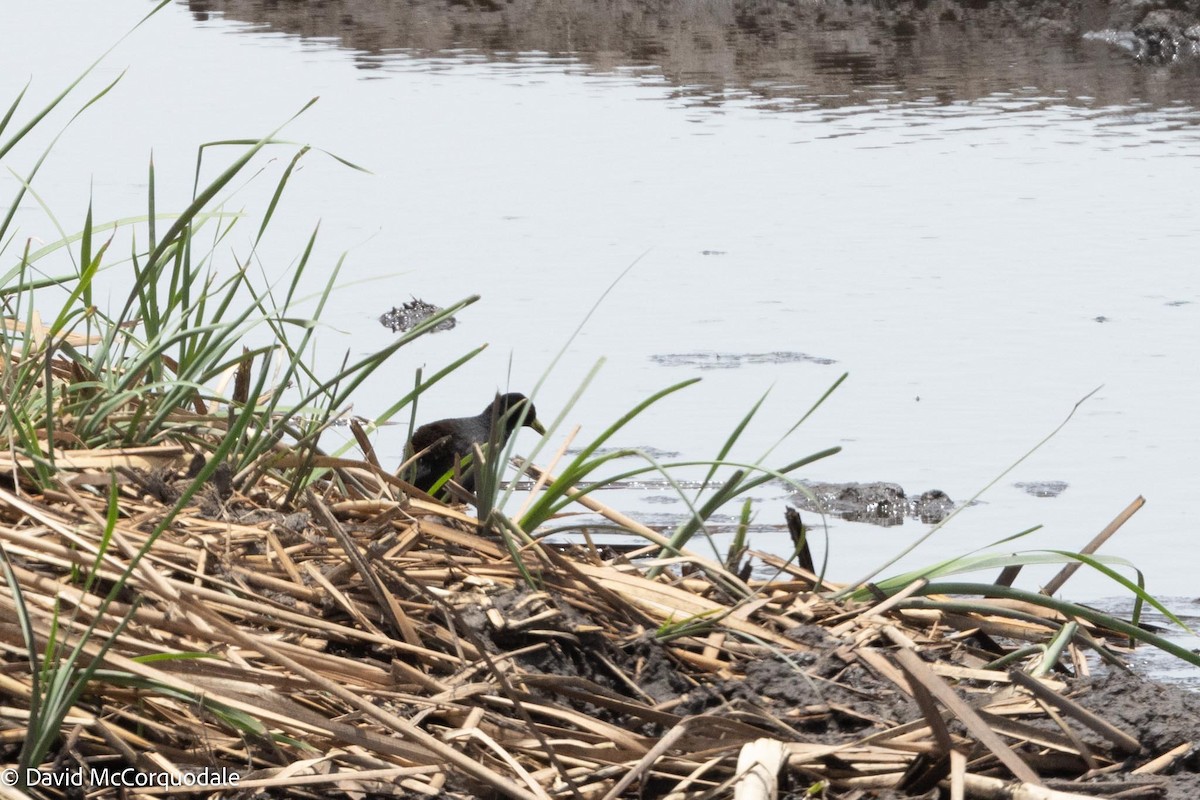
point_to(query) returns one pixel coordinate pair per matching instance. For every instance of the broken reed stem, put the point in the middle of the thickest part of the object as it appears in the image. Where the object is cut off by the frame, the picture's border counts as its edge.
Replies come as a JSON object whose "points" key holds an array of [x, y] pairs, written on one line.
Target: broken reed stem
{"points": [[435, 747], [1103, 536], [758, 767], [985, 788]]}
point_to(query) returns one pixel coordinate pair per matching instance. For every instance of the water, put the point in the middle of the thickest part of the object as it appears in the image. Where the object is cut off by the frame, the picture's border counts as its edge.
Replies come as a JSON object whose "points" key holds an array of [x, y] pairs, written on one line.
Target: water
{"points": [[980, 227]]}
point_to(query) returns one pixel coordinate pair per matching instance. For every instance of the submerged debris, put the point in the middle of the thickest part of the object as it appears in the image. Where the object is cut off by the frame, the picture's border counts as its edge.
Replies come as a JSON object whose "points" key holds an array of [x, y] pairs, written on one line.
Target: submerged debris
{"points": [[1042, 488], [712, 360], [412, 314]]}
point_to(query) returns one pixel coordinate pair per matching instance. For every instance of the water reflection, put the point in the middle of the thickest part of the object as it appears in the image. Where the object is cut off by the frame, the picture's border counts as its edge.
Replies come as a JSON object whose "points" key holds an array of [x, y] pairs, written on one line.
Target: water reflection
{"points": [[782, 59]]}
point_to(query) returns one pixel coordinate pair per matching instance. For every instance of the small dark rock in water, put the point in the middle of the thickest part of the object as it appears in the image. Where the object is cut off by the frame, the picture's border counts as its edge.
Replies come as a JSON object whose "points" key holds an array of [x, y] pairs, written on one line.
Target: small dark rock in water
{"points": [[712, 252], [1100, 318], [878, 503], [710, 360], [412, 314], [1043, 488], [933, 506]]}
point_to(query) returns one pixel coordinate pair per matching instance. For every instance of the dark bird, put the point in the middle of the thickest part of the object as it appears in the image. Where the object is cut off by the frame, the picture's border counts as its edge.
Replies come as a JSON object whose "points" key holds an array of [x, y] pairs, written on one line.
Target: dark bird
{"points": [[450, 440]]}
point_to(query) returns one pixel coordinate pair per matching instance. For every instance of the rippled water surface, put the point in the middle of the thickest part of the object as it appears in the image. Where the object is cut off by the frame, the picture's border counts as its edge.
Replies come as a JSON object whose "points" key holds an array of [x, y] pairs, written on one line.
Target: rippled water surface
{"points": [[980, 226]]}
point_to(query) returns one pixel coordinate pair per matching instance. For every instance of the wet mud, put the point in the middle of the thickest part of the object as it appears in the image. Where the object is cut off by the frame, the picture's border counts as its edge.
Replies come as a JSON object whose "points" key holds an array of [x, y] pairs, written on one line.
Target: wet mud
{"points": [[1161, 716], [821, 691]]}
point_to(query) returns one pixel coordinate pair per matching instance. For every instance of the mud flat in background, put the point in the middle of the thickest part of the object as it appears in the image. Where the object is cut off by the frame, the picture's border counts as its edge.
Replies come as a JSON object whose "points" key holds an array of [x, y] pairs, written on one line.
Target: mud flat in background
{"points": [[814, 51]]}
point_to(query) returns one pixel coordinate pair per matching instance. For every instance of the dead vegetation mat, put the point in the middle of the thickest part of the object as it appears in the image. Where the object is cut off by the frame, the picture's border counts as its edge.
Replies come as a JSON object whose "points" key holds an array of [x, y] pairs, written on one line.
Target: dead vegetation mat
{"points": [[368, 644]]}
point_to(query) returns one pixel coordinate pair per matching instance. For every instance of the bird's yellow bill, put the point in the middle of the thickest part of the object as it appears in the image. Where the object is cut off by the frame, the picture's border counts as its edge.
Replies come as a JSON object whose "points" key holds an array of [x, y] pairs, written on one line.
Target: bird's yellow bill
{"points": [[537, 426]]}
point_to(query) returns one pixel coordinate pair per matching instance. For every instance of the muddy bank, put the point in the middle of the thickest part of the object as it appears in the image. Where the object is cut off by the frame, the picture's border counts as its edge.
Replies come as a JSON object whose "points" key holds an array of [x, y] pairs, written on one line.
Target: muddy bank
{"points": [[821, 689], [789, 55], [375, 643]]}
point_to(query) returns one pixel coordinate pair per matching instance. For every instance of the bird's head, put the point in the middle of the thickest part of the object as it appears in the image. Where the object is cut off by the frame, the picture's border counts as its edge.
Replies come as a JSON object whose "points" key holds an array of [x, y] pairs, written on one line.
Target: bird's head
{"points": [[509, 407]]}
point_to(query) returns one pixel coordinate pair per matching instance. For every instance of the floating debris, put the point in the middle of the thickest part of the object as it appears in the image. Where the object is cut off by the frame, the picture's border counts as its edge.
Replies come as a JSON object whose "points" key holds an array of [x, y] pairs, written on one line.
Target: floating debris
{"points": [[1043, 488], [1161, 37], [877, 503], [653, 452], [712, 360], [412, 314]]}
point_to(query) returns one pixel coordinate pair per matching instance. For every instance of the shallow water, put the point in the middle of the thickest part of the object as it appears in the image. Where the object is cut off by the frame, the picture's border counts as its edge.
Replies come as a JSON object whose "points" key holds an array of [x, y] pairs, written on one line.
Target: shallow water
{"points": [[980, 228], [1150, 660]]}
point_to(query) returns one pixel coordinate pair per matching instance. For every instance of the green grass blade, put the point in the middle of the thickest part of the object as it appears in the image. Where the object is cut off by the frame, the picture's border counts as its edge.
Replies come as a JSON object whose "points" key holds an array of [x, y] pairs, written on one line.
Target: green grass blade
{"points": [[811, 410], [1068, 609], [12, 109], [732, 440], [287, 173], [1138, 590], [946, 521], [31, 650], [28, 180], [539, 512]]}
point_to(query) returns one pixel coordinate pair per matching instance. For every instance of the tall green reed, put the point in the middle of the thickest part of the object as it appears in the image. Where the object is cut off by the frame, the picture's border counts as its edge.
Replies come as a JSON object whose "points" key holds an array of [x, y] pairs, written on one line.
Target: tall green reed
{"points": [[592, 469], [155, 369]]}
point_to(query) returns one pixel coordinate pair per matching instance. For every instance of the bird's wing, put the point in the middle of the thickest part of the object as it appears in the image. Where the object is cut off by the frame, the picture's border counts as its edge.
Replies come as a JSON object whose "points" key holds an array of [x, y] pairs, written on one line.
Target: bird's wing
{"points": [[428, 436]]}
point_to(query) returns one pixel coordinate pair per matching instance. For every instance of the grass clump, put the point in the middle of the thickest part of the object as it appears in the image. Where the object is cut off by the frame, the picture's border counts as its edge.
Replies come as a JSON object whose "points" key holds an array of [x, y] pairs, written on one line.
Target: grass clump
{"points": [[164, 380]]}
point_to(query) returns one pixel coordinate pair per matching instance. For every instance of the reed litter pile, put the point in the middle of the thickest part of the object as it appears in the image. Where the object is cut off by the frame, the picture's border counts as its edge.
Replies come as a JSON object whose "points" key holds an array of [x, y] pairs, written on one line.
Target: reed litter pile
{"points": [[371, 645]]}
